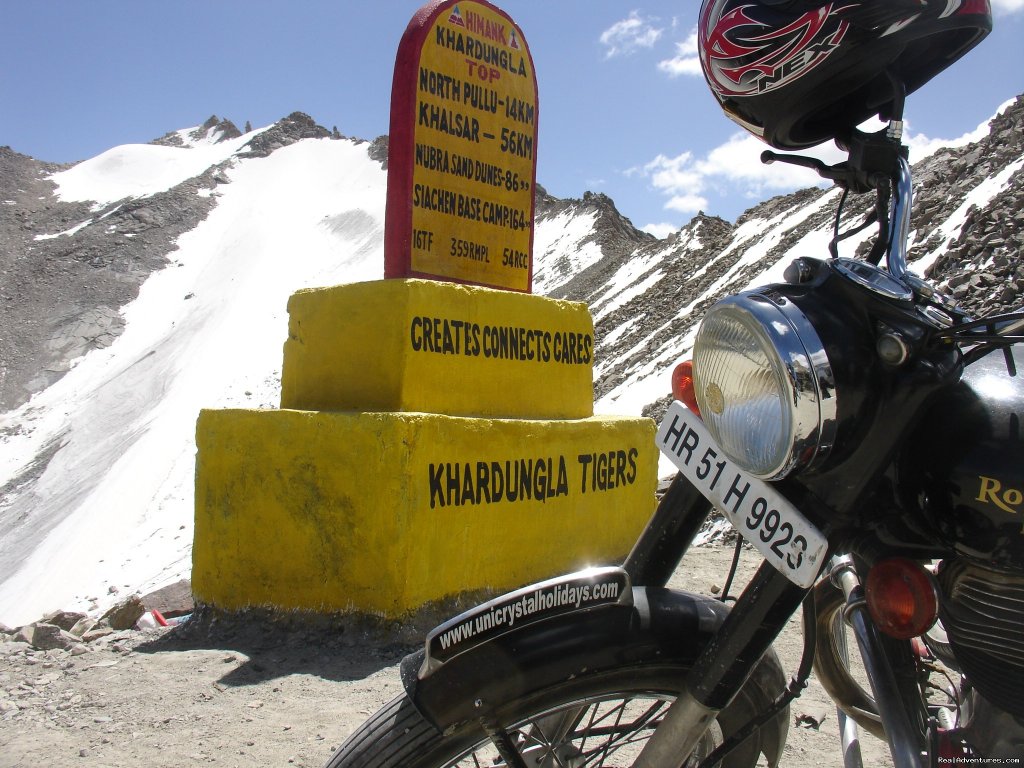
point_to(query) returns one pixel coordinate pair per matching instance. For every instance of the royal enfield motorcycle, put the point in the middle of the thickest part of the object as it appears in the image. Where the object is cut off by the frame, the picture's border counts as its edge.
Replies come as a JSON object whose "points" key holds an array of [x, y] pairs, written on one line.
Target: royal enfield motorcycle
{"points": [[854, 426]]}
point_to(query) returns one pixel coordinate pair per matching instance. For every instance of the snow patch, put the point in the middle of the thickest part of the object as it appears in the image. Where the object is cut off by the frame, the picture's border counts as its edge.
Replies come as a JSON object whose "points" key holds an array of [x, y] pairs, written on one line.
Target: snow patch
{"points": [[125, 416], [141, 170]]}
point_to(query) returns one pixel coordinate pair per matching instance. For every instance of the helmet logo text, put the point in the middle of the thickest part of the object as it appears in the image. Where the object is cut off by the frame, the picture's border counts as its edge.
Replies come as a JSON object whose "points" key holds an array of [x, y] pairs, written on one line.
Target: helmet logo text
{"points": [[744, 56]]}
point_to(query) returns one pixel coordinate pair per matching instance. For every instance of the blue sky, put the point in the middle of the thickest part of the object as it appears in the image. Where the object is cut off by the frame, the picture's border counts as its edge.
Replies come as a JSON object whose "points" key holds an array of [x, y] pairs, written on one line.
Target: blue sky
{"points": [[620, 110]]}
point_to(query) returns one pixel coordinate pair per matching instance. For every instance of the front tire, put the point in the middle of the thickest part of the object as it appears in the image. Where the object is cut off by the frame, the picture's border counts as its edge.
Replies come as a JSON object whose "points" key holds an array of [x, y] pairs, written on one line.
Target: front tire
{"points": [[589, 721]]}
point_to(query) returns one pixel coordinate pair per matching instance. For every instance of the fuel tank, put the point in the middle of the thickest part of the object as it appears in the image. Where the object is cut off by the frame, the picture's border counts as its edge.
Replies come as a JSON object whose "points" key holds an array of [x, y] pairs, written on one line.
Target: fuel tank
{"points": [[967, 459]]}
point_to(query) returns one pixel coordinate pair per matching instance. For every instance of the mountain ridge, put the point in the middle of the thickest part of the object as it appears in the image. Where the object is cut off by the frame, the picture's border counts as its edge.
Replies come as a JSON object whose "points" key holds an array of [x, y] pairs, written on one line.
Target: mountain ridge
{"points": [[124, 315]]}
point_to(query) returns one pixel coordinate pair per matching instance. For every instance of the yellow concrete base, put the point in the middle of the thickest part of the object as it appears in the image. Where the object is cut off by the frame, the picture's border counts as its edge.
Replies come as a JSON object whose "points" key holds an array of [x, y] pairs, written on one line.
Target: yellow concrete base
{"points": [[420, 345], [384, 512]]}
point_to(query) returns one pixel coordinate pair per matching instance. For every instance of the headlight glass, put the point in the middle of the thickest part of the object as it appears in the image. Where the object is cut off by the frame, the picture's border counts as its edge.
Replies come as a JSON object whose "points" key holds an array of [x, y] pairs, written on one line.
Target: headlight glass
{"points": [[763, 384]]}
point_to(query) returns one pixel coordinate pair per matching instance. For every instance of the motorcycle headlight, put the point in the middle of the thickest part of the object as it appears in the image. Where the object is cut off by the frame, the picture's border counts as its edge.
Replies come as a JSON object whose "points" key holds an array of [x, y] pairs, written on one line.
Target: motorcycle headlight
{"points": [[764, 384]]}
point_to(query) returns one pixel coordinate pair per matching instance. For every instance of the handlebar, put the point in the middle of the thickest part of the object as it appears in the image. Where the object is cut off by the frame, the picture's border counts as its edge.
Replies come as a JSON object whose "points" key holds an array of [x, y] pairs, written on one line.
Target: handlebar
{"points": [[876, 162], [896, 253], [843, 174]]}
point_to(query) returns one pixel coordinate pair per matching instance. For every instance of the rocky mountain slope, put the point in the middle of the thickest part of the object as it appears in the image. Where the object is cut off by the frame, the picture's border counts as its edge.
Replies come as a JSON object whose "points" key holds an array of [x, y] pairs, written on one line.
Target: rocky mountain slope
{"points": [[647, 295], [149, 282], [66, 278], [69, 266]]}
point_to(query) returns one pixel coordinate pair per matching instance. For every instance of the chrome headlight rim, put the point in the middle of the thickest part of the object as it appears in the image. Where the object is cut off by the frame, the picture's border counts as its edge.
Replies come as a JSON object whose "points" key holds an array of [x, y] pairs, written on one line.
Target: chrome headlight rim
{"points": [[803, 371]]}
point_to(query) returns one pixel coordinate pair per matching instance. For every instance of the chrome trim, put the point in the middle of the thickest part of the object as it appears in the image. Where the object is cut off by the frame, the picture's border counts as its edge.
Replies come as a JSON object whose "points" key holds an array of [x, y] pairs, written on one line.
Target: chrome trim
{"points": [[895, 282], [810, 383], [680, 732], [902, 203], [903, 737], [873, 278]]}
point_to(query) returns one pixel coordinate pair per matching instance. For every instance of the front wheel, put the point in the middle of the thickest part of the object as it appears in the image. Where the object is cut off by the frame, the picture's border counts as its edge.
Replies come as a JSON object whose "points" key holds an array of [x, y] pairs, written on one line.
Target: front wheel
{"points": [[599, 720], [583, 691]]}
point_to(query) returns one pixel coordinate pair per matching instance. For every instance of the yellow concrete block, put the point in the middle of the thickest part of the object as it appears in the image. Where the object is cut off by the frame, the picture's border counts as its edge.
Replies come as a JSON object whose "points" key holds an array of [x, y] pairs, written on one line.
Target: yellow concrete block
{"points": [[421, 345], [384, 512]]}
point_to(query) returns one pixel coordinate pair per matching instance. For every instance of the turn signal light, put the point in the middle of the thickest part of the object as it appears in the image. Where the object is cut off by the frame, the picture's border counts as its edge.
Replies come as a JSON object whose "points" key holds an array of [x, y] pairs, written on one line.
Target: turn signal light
{"points": [[902, 597], [682, 385]]}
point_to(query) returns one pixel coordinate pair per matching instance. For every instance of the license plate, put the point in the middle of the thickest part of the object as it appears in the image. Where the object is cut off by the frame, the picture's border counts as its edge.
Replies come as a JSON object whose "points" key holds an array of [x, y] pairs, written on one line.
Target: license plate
{"points": [[766, 519]]}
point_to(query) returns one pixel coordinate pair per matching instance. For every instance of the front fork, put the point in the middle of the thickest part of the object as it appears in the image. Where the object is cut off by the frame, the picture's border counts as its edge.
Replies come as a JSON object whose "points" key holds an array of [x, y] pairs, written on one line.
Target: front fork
{"points": [[757, 618], [724, 665], [906, 738]]}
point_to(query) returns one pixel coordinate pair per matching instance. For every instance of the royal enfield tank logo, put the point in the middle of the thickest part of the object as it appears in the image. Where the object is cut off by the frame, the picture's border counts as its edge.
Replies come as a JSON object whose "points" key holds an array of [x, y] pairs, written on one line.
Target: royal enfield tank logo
{"points": [[743, 56], [992, 491]]}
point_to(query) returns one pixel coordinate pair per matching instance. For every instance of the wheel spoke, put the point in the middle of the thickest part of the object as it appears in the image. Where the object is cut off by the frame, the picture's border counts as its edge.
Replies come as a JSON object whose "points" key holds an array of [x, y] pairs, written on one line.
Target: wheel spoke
{"points": [[601, 732], [637, 729]]}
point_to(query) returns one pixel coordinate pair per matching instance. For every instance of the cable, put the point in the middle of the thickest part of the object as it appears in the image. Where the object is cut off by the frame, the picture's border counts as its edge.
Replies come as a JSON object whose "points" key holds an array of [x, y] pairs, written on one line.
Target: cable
{"points": [[796, 686], [732, 568]]}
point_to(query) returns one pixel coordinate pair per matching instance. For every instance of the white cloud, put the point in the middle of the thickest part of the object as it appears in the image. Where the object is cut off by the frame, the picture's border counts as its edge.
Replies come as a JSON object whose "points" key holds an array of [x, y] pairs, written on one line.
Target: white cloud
{"points": [[1000, 7], [660, 230], [735, 165], [624, 37], [674, 173], [687, 203], [686, 61], [739, 161]]}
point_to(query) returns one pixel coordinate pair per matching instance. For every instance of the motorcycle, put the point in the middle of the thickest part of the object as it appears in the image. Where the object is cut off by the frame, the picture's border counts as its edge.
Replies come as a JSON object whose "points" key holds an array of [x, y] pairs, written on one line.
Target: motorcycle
{"points": [[864, 435]]}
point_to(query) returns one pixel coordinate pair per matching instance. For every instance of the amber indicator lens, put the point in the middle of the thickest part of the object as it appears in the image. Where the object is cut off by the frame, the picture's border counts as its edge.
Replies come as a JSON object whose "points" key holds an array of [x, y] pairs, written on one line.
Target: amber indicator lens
{"points": [[902, 597], [682, 385]]}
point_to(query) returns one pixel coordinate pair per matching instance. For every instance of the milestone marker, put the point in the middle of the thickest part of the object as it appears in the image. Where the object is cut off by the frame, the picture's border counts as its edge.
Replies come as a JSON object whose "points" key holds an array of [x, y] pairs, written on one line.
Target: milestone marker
{"points": [[462, 160], [436, 435]]}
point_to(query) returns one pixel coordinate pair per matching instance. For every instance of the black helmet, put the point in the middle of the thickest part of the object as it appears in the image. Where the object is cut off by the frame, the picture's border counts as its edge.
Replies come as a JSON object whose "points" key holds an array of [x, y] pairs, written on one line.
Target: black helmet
{"points": [[796, 73]]}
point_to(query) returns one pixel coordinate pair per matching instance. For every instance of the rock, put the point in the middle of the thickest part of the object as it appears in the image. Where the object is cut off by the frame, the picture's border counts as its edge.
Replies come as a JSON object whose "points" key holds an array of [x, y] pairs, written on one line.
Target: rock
{"points": [[25, 634], [64, 619], [172, 600], [124, 614], [82, 626], [378, 150], [811, 718], [288, 130], [95, 634], [46, 637], [11, 646]]}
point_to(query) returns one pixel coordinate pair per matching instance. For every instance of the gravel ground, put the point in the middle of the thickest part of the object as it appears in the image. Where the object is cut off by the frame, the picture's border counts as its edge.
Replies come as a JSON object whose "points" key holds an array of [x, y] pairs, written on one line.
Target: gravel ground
{"points": [[266, 692]]}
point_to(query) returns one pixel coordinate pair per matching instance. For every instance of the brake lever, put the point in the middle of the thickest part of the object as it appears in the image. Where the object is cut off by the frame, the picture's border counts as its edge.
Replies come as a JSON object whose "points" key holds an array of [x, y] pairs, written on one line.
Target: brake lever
{"points": [[768, 157], [841, 173]]}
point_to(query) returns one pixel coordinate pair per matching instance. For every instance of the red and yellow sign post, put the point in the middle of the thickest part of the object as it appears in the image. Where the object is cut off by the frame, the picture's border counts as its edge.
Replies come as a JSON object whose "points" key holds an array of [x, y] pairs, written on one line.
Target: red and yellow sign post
{"points": [[462, 161], [436, 436]]}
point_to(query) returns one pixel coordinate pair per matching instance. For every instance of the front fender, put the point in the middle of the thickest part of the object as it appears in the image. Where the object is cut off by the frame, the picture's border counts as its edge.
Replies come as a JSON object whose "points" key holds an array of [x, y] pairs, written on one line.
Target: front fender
{"points": [[658, 627]]}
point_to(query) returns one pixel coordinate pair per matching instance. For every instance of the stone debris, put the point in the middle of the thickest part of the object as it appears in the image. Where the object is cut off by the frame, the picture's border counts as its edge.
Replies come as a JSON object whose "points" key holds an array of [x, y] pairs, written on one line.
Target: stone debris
{"points": [[74, 631], [46, 637], [125, 614], [172, 601], [810, 718]]}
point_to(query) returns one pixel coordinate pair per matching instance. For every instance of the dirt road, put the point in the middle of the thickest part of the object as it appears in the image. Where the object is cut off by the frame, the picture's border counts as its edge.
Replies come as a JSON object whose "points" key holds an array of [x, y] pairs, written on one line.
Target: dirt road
{"points": [[258, 692]]}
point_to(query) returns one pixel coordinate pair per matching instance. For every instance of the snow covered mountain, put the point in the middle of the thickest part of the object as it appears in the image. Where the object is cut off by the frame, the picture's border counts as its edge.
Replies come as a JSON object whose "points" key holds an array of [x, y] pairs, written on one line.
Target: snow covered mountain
{"points": [[151, 281]]}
